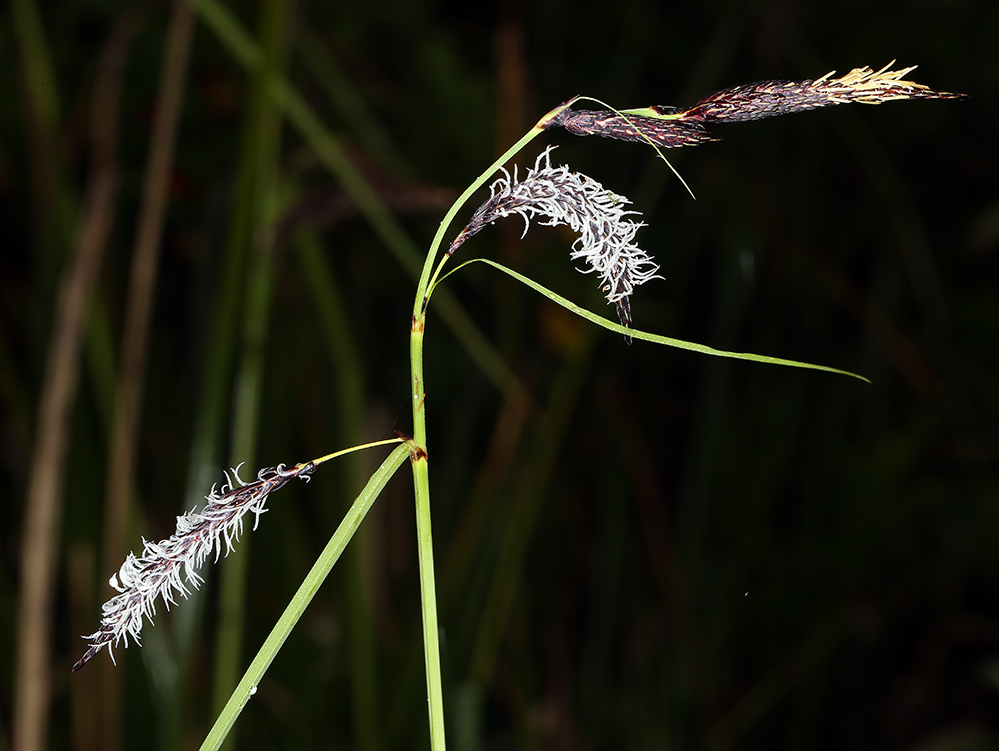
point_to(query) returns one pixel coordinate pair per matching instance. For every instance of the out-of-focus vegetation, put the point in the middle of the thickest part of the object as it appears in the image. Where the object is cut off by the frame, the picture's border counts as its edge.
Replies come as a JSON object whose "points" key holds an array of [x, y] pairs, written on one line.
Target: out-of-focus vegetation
{"points": [[636, 547]]}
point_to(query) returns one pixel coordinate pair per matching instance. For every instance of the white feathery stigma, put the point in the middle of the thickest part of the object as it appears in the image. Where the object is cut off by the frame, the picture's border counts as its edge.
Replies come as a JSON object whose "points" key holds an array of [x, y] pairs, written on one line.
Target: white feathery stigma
{"points": [[597, 215], [169, 567]]}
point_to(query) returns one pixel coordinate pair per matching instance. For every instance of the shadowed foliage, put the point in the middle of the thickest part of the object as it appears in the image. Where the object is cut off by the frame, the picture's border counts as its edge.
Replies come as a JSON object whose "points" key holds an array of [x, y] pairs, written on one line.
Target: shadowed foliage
{"points": [[213, 216]]}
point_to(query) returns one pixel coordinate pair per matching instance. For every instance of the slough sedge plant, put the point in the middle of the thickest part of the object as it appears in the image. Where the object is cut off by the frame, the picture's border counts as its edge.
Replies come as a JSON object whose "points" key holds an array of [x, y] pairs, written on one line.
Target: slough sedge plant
{"points": [[606, 232]]}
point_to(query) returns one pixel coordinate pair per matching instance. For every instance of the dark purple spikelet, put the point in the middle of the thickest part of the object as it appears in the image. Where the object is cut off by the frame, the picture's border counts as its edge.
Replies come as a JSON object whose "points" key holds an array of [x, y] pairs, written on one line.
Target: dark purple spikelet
{"points": [[669, 127], [667, 133], [755, 101]]}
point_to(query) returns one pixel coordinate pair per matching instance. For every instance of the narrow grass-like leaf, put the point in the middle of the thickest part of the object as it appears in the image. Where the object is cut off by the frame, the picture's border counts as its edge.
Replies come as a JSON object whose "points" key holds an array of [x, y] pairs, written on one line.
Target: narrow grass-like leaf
{"points": [[647, 336], [310, 585]]}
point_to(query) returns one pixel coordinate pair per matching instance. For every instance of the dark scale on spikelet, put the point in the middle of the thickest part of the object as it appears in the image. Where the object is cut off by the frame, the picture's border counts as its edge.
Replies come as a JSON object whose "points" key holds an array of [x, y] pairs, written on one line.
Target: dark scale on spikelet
{"points": [[668, 127], [758, 100], [668, 134]]}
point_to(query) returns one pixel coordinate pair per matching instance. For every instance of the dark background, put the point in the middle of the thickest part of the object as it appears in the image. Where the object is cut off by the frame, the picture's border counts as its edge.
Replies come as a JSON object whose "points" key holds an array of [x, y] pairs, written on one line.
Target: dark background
{"points": [[644, 548]]}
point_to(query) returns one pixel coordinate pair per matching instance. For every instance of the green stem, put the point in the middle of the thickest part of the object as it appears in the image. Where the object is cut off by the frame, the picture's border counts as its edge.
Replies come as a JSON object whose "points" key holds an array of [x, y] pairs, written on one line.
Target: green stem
{"points": [[419, 457], [426, 283]]}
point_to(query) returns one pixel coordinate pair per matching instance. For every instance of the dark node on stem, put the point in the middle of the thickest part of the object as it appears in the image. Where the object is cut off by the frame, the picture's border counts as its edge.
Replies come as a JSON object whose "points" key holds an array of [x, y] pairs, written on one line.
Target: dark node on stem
{"points": [[553, 120]]}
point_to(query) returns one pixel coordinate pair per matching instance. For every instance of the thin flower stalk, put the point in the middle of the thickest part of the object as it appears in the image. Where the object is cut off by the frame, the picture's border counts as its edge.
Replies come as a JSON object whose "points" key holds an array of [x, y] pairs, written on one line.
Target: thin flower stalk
{"points": [[670, 127], [597, 215], [169, 567]]}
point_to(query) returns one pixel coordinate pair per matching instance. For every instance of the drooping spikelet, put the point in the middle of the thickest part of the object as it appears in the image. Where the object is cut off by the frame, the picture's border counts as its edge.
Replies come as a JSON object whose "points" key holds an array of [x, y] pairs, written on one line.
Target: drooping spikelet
{"points": [[598, 215], [166, 568]]}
